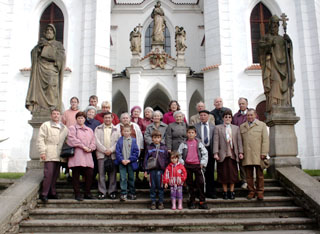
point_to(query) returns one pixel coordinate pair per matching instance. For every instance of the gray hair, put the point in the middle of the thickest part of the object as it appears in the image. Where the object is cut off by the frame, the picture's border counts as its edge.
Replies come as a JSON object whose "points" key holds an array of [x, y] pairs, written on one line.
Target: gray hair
{"points": [[200, 103], [150, 109], [177, 113], [243, 98], [106, 103], [252, 109], [214, 100], [123, 114], [90, 108], [159, 113]]}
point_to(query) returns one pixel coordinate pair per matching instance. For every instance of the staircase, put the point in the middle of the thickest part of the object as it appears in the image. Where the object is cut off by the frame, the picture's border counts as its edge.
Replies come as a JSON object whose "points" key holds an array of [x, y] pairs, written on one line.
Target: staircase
{"points": [[276, 214]]}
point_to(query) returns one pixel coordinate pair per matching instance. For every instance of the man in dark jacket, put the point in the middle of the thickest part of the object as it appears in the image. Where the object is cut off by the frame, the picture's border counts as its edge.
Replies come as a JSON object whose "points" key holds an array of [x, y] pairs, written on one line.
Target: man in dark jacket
{"points": [[219, 110]]}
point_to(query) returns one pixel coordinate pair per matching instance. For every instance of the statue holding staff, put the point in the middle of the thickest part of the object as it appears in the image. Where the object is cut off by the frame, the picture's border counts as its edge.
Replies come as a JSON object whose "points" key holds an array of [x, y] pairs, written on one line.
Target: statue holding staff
{"points": [[276, 60], [135, 40]]}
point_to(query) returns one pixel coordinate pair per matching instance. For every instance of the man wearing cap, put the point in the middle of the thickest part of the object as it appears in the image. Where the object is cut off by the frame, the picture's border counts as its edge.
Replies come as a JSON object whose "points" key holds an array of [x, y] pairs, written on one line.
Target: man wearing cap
{"points": [[46, 78], [205, 131]]}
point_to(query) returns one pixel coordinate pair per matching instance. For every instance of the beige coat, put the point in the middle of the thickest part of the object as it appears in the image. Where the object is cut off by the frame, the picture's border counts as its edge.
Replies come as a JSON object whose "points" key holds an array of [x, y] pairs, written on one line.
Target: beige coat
{"points": [[196, 119], [51, 139], [99, 135], [220, 141], [255, 142]]}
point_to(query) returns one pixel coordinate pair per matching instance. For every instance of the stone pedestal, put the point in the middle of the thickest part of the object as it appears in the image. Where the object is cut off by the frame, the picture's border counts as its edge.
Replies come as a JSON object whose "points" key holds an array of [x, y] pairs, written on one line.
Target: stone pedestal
{"points": [[34, 155], [157, 47], [180, 59], [283, 139], [135, 60]]}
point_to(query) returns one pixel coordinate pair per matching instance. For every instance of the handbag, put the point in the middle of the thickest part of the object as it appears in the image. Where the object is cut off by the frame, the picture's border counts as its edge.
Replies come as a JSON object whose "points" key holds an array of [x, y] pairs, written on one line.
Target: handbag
{"points": [[152, 162], [67, 151], [264, 164], [108, 164]]}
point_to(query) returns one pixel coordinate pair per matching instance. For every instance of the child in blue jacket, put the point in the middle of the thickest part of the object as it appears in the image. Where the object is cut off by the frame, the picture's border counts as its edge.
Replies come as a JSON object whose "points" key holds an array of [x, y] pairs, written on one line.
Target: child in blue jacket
{"points": [[127, 153]]}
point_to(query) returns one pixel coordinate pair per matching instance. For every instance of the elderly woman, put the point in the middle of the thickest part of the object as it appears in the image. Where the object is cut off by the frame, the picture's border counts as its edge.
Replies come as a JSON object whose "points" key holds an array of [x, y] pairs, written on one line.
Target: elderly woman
{"points": [[227, 150], [156, 125], [168, 117], [148, 113], [135, 116], [106, 107], [176, 132], [82, 138]]}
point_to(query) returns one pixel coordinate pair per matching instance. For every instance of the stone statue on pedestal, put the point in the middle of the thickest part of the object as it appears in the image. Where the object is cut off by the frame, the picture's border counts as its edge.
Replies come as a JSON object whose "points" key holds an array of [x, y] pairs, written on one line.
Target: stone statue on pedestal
{"points": [[180, 39], [135, 41], [159, 24], [276, 60], [45, 87]]}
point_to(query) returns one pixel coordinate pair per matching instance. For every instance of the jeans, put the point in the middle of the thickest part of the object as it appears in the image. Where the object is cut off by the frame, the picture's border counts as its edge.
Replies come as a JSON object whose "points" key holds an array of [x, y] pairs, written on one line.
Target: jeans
{"points": [[124, 183], [156, 184]]}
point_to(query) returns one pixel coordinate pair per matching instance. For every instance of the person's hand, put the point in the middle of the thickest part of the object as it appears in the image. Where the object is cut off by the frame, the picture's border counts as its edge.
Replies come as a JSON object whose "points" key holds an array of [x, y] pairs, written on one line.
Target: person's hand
{"points": [[86, 149], [43, 156], [124, 162], [128, 161], [145, 174], [165, 185], [108, 152], [169, 151], [43, 42], [240, 156], [201, 166], [216, 157], [263, 157], [287, 38]]}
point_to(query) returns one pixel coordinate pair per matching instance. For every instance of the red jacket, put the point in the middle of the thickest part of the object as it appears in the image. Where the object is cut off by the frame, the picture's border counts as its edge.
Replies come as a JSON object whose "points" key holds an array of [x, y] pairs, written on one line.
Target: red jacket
{"points": [[175, 174], [115, 119]]}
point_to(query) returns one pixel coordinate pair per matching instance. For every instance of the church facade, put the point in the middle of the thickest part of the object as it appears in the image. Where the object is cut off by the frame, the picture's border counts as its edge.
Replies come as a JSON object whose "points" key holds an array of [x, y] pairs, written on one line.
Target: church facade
{"points": [[221, 59]]}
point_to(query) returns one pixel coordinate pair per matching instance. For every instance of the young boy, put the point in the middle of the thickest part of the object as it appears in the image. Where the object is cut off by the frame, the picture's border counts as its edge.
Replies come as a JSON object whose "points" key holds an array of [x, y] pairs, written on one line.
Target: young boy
{"points": [[127, 153], [195, 158], [155, 163], [175, 175]]}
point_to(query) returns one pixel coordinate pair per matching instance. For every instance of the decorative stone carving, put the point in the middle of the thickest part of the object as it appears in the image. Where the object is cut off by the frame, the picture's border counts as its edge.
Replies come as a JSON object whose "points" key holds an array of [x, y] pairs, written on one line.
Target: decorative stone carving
{"points": [[158, 59], [159, 24], [46, 79], [276, 59], [135, 41], [180, 39]]}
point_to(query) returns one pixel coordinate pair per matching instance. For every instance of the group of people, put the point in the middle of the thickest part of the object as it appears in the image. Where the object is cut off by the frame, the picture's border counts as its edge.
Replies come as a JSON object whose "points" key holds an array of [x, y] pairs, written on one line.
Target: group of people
{"points": [[168, 150]]}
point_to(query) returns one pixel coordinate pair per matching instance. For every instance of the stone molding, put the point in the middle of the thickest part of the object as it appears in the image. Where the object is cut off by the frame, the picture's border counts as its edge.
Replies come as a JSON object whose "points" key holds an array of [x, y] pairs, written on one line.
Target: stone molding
{"points": [[27, 70]]}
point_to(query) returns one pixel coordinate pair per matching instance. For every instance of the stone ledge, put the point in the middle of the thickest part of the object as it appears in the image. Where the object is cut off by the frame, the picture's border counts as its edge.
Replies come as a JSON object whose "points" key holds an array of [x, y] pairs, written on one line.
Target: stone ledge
{"points": [[18, 199], [303, 187]]}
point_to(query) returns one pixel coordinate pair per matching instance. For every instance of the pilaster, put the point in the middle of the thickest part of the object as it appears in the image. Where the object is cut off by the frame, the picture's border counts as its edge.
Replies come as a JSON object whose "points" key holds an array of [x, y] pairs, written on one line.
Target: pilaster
{"points": [[181, 82]]}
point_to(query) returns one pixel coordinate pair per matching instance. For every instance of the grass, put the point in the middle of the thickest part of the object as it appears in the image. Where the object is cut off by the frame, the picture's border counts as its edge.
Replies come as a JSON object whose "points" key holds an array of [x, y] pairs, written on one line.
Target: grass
{"points": [[312, 172], [11, 175]]}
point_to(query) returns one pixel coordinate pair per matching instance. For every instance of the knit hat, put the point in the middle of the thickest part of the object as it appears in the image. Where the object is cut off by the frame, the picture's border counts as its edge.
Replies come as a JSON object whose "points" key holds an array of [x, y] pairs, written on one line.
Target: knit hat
{"points": [[135, 107]]}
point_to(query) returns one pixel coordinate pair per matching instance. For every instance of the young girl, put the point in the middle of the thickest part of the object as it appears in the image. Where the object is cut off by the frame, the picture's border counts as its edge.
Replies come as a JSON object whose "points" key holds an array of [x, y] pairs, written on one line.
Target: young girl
{"points": [[175, 175]]}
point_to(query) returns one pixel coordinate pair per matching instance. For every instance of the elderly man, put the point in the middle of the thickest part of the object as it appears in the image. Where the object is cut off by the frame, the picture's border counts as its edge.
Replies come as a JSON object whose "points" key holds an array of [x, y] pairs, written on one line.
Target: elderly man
{"points": [[52, 135], [106, 107], [239, 118], [218, 111], [46, 79], [205, 132], [256, 147], [106, 136], [196, 118]]}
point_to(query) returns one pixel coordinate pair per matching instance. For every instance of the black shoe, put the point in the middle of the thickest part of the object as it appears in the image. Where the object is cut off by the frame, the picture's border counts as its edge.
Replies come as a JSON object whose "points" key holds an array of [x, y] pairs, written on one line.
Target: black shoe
{"points": [[123, 197], [53, 196], [78, 198], [88, 196], [212, 196], [113, 196], [203, 205], [225, 196], [231, 195], [101, 196], [132, 197], [43, 198], [191, 205]]}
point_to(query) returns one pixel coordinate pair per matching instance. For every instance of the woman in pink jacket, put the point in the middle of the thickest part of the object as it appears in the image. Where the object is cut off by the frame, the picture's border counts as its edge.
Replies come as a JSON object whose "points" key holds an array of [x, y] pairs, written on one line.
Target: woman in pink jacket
{"points": [[82, 138], [168, 117]]}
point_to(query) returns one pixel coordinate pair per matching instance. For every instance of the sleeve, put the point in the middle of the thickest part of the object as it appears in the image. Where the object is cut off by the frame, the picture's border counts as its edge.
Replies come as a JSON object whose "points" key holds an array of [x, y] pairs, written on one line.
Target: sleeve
{"points": [[184, 174], [146, 159], [100, 147], [166, 175], [165, 119], [216, 141], [119, 156], [135, 152], [265, 141], [180, 151], [169, 138], [43, 132], [63, 118], [115, 119], [139, 138], [147, 136], [240, 146], [204, 155], [73, 141], [113, 147], [92, 145]]}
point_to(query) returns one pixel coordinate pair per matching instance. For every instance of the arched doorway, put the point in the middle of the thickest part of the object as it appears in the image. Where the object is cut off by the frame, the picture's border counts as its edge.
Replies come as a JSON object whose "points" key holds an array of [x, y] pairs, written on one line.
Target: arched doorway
{"points": [[261, 111], [157, 99], [119, 103], [196, 97]]}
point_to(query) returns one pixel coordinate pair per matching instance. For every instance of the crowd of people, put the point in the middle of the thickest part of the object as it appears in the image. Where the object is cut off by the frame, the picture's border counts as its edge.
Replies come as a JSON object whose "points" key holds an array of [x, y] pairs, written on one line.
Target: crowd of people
{"points": [[164, 148]]}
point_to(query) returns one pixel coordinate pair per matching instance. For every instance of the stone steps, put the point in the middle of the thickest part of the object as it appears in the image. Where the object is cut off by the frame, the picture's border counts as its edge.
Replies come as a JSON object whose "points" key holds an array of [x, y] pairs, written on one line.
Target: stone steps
{"points": [[276, 201], [167, 225], [144, 214]]}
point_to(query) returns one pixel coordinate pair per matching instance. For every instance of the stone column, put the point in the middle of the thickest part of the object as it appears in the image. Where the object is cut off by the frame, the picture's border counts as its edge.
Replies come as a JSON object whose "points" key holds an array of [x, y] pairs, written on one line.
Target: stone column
{"points": [[181, 83], [135, 92], [283, 140], [104, 84]]}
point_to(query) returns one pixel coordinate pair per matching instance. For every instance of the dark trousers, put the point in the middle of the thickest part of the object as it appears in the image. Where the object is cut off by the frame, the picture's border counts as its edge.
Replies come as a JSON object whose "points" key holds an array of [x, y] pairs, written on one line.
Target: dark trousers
{"points": [[243, 176], [156, 184], [209, 175], [51, 174], [259, 178], [195, 186], [87, 172], [124, 182], [95, 163]]}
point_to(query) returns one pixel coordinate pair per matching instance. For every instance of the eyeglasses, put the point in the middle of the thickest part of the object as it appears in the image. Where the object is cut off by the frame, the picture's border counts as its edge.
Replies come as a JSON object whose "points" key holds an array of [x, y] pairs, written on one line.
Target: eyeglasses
{"points": [[227, 117]]}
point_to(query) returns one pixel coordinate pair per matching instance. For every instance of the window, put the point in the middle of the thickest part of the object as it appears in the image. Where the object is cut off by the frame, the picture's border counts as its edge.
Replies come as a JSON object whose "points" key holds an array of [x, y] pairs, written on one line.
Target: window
{"points": [[52, 15], [148, 40], [259, 20]]}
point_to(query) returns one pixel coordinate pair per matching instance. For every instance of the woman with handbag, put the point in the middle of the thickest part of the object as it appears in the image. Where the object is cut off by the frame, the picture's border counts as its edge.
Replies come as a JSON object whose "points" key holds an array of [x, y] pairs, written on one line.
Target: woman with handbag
{"points": [[107, 136], [82, 138]]}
